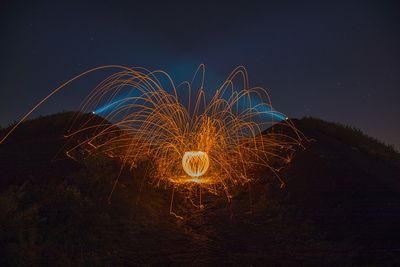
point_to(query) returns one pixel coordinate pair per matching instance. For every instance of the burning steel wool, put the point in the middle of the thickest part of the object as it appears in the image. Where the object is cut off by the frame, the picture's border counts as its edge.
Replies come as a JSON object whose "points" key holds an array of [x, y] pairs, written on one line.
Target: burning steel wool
{"points": [[192, 135], [195, 163], [214, 139]]}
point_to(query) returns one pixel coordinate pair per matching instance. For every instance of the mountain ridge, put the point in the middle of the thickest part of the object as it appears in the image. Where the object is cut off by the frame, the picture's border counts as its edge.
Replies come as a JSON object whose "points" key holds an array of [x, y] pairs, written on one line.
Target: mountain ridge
{"points": [[340, 207]]}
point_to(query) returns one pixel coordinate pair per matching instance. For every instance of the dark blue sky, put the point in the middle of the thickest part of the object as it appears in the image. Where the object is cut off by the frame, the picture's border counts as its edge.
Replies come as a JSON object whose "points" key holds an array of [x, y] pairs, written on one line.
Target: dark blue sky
{"points": [[339, 61]]}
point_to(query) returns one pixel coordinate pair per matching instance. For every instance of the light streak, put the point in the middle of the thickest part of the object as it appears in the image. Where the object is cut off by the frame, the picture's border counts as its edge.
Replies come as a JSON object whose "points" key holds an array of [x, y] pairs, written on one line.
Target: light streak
{"points": [[212, 141]]}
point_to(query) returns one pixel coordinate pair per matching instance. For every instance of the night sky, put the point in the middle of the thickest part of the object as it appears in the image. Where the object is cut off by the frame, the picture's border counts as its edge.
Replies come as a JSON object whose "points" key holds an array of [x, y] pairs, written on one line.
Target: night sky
{"points": [[335, 61]]}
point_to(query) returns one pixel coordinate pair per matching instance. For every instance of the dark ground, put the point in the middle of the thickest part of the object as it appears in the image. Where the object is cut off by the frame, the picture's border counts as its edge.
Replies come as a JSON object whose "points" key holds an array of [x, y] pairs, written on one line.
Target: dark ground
{"points": [[340, 207]]}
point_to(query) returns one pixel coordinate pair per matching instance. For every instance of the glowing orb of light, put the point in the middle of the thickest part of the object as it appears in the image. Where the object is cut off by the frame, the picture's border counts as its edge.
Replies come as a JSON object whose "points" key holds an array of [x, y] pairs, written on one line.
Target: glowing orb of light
{"points": [[195, 163]]}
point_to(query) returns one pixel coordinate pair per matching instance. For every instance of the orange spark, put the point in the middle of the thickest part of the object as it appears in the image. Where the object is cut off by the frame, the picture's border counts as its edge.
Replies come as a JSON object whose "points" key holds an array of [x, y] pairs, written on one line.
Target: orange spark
{"points": [[191, 136]]}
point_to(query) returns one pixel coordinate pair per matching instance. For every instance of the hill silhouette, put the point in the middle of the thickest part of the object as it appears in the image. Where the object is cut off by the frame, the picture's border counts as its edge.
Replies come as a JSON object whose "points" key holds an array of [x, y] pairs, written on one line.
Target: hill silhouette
{"points": [[340, 207]]}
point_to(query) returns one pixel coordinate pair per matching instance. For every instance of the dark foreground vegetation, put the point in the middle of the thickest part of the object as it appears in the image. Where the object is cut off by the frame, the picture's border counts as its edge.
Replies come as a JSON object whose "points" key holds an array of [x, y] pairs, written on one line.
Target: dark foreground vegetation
{"points": [[340, 207]]}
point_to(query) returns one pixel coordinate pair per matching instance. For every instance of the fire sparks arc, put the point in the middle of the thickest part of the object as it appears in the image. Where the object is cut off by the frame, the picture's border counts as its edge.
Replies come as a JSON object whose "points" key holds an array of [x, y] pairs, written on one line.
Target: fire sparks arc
{"points": [[190, 134], [212, 137]]}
